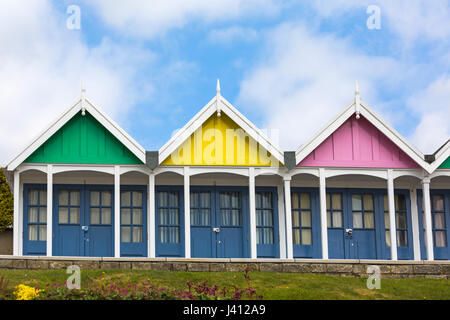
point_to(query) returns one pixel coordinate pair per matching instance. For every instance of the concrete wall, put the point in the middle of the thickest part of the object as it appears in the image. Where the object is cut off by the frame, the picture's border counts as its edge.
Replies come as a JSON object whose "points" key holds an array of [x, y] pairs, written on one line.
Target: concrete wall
{"points": [[6, 242]]}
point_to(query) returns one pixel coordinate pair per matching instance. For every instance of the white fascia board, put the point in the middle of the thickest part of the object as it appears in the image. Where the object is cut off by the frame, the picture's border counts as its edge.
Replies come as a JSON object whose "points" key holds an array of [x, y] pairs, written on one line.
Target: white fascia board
{"points": [[184, 133], [440, 157], [44, 135], [320, 137], [116, 130]]}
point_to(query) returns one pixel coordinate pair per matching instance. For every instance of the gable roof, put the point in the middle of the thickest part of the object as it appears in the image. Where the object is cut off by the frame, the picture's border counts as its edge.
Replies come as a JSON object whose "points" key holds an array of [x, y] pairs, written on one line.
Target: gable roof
{"points": [[218, 104], [440, 156], [359, 108], [81, 105]]}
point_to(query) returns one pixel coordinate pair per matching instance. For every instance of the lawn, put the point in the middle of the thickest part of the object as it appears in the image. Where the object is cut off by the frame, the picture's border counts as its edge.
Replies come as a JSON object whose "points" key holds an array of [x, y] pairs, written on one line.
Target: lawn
{"points": [[270, 285]]}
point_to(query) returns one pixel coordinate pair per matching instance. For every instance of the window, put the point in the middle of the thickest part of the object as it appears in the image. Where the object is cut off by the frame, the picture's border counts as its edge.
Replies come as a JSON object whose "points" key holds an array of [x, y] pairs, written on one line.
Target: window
{"points": [[264, 218], [438, 220], [69, 207], [131, 216], [363, 211], [334, 210], [230, 209], [400, 220], [301, 218], [100, 207], [200, 209], [169, 216], [37, 215]]}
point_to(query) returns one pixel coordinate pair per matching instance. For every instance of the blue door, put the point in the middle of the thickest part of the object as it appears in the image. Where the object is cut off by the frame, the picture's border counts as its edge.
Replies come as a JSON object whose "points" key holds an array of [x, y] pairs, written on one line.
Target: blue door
{"points": [[440, 218], [267, 238], [35, 219], [203, 220], [83, 220]]}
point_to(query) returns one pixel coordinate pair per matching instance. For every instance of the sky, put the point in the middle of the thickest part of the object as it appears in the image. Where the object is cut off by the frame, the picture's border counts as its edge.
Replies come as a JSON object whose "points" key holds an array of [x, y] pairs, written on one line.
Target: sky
{"points": [[288, 66]]}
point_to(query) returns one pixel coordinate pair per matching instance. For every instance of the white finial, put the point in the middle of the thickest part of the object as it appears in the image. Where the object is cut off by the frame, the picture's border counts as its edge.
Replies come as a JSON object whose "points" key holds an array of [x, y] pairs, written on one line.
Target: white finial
{"points": [[357, 101], [83, 98], [218, 97]]}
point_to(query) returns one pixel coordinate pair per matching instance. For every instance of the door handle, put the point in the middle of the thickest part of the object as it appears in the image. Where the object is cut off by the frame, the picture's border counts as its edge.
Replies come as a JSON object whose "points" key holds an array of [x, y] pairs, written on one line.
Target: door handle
{"points": [[349, 231], [216, 230], [85, 228]]}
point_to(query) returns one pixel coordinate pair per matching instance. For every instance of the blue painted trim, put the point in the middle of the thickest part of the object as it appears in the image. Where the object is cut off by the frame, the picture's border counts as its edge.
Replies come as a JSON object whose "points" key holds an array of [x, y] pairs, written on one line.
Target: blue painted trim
{"points": [[31, 247]]}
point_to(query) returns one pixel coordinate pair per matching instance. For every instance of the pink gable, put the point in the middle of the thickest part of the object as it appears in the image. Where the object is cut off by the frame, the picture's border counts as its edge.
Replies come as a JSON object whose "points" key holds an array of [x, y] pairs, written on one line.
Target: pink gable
{"points": [[357, 143]]}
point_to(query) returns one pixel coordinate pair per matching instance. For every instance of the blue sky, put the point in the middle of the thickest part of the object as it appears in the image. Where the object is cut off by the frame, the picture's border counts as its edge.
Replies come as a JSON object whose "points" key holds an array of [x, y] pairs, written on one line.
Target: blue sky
{"points": [[287, 65]]}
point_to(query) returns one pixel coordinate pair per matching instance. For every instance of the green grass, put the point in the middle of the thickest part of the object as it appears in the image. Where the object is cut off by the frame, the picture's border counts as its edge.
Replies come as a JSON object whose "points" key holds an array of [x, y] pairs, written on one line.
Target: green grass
{"points": [[270, 285]]}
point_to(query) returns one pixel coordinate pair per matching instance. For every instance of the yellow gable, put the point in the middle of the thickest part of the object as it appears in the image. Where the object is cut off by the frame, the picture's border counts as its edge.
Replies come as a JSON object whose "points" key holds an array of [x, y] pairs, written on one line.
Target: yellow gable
{"points": [[221, 142]]}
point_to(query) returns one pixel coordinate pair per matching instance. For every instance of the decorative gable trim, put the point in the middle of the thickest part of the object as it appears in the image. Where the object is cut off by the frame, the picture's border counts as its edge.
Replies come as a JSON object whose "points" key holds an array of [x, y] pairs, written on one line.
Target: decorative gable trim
{"points": [[440, 156]]}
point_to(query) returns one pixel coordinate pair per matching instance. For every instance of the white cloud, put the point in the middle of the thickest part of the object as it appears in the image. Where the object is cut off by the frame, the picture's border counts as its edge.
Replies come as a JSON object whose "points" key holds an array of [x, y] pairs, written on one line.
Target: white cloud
{"points": [[304, 79], [433, 107], [232, 34], [147, 19], [43, 64]]}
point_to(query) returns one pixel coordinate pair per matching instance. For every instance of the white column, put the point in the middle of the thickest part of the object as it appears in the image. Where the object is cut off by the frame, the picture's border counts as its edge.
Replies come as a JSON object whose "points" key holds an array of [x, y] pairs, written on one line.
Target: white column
{"points": [[415, 224], [187, 214], [323, 213], [49, 210], [117, 211], [151, 216], [16, 231], [281, 222], [392, 226], [287, 205], [427, 212], [252, 206]]}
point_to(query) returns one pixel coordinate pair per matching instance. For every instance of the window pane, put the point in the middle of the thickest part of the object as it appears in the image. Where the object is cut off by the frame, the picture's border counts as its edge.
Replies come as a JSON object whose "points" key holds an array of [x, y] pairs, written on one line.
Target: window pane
{"points": [[294, 200], [74, 215], [173, 216], [357, 220], [306, 218], [205, 199], [388, 238], [267, 200], [235, 217], [43, 197], [95, 198], [440, 239], [356, 202], [43, 214], [402, 238], [63, 197], [169, 235], [95, 216], [32, 232], [401, 220], [400, 203], [137, 234], [63, 215], [106, 199], [163, 199], [368, 202], [386, 203], [258, 200], [386, 220], [33, 214], [194, 200], [328, 201], [305, 202], [205, 217], [126, 216], [235, 196], [337, 201], [329, 219], [125, 234], [295, 219], [74, 198], [306, 237], [369, 220], [268, 218], [33, 197], [259, 218], [42, 232], [137, 199], [137, 216], [224, 200], [163, 216], [439, 221], [296, 236], [173, 199], [438, 203], [106, 215], [337, 219], [125, 198]]}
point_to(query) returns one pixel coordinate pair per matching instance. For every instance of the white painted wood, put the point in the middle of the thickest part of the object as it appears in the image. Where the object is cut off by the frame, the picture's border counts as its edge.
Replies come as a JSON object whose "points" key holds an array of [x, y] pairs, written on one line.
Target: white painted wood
{"points": [[440, 156], [323, 213], [117, 211], [281, 222], [427, 222], [287, 204], [187, 214], [49, 210], [151, 217], [392, 224], [21, 217], [440, 173], [16, 231], [415, 224], [252, 206], [373, 172]]}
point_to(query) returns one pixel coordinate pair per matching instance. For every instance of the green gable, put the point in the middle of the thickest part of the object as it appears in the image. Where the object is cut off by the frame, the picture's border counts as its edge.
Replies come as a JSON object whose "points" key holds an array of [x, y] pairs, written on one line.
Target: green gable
{"points": [[445, 164], [83, 140]]}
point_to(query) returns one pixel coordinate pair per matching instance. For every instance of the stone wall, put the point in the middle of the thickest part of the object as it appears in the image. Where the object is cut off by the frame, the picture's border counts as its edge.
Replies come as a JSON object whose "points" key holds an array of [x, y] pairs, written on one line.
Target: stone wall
{"points": [[354, 268]]}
